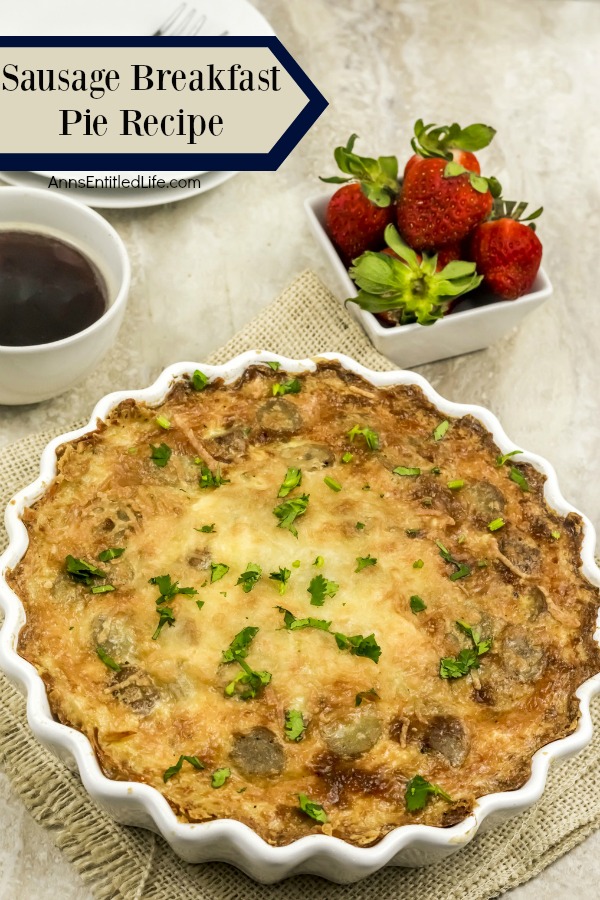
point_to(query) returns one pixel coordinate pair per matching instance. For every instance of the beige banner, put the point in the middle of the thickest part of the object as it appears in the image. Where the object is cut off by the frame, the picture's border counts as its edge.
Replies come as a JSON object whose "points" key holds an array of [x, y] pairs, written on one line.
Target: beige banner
{"points": [[144, 99]]}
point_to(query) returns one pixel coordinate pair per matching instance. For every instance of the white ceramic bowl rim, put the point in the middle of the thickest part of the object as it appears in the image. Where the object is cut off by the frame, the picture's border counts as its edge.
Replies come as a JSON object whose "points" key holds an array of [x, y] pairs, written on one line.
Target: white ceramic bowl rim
{"points": [[45, 196], [134, 795]]}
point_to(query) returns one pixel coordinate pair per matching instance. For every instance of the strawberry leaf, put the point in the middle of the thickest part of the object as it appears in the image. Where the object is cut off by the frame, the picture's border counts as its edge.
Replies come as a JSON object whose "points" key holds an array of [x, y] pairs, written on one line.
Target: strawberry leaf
{"points": [[440, 140], [378, 178]]}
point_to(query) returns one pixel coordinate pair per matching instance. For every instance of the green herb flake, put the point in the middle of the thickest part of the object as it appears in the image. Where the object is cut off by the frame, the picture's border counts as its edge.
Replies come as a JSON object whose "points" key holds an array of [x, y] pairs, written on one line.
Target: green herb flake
{"points": [[319, 588], [496, 524], [359, 645], [371, 437], [288, 511], [314, 810], [482, 563], [210, 479], [199, 603], [436, 470], [359, 526], [458, 666], [168, 589], [406, 470], [176, 769], [347, 457], [296, 564], [362, 562], [160, 455], [199, 380], [163, 422], [218, 571], [219, 777], [555, 535], [333, 484], [294, 727], [206, 529], [82, 571], [251, 681], [441, 430], [292, 623], [286, 387], [416, 604], [456, 485], [462, 569], [412, 532], [273, 364], [102, 589], [500, 460], [249, 577], [418, 792], [108, 660], [111, 553], [293, 478], [370, 695], [282, 576], [238, 648], [418, 564], [319, 562], [517, 476]]}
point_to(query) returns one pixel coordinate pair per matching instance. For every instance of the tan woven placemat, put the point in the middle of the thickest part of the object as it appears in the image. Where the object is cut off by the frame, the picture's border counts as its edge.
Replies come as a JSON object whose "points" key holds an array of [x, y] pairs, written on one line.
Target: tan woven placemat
{"points": [[132, 864]]}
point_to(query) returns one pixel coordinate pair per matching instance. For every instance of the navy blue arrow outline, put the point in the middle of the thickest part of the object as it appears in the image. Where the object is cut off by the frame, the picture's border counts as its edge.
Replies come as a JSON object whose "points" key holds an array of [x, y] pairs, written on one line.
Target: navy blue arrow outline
{"points": [[255, 162]]}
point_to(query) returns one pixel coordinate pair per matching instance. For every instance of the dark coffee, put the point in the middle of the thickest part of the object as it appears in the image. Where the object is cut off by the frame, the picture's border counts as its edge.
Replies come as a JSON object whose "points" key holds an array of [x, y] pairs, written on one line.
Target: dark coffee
{"points": [[48, 289]]}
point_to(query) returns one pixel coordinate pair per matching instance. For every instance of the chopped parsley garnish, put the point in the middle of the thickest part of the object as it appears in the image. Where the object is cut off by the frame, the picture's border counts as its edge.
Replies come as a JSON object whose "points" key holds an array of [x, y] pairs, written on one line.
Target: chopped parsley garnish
{"points": [[273, 364], [418, 792], [500, 460], [283, 576], [176, 769], [199, 380], [288, 511], [249, 578], [517, 476], [406, 470], [210, 479], [292, 623], [163, 422], [363, 561], [371, 437], [219, 777], [441, 430], [160, 455], [319, 562], [418, 564], [111, 553], [82, 571], [314, 810], [286, 387], [333, 484], [412, 532], [108, 660], [462, 569], [293, 478], [457, 666], [237, 652], [238, 648], [102, 589], [347, 457], [199, 603], [555, 535], [294, 727], [359, 645], [168, 591], [206, 529], [456, 485], [296, 564], [416, 604], [496, 524], [359, 526], [319, 588], [217, 571], [436, 470], [366, 695]]}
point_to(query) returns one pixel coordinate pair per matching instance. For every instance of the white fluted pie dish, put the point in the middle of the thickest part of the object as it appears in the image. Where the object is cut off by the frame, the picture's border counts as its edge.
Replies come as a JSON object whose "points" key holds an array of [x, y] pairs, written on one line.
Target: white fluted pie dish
{"points": [[227, 840]]}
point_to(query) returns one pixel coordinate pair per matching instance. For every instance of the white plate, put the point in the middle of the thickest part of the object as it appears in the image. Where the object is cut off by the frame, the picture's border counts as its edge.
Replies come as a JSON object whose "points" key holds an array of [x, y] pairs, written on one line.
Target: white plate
{"points": [[126, 17], [124, 198]]}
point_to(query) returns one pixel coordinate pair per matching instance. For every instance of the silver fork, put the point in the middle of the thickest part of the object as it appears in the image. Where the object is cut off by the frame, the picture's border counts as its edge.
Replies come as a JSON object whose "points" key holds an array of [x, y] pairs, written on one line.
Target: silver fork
{"points": [[184, 21]]}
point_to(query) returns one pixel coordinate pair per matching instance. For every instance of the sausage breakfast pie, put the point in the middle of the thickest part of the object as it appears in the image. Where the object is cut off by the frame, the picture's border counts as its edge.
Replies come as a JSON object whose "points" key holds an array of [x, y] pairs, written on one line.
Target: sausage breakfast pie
{"points": [[306, 603]]}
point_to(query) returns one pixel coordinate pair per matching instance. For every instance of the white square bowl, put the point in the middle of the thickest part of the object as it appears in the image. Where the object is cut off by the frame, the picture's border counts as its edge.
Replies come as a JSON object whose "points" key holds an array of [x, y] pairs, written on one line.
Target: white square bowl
{"points": [[475, 325]]}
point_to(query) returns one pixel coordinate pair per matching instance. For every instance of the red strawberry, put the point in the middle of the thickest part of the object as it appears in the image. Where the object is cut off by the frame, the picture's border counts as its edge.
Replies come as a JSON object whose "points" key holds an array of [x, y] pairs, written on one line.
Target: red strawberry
{"points": [[441, 202], [464, 158], [358, 213], [507, 251]]}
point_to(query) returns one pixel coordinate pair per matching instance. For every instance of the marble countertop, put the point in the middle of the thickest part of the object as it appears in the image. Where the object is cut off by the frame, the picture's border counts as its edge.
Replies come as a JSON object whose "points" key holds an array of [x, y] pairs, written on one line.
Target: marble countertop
{"points": [[205, 266]]}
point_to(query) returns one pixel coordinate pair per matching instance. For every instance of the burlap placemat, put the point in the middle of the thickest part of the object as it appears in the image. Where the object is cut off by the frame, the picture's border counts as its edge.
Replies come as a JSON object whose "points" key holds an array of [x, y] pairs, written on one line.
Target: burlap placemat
{"points": [[128, 863]]}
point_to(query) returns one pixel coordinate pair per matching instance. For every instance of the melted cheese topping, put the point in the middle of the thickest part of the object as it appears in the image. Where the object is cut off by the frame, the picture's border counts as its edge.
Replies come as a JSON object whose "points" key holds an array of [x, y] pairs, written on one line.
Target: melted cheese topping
{"points": [[469, 735]]}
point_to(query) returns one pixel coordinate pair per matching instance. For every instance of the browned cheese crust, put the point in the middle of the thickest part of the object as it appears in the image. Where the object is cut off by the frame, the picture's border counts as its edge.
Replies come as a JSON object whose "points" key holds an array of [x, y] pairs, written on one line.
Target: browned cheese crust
{"points": [[522, 590]]}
